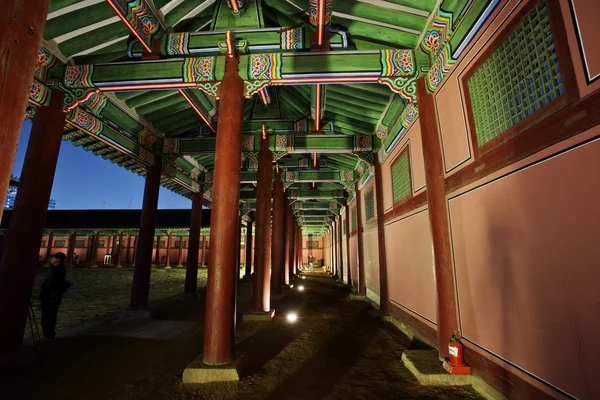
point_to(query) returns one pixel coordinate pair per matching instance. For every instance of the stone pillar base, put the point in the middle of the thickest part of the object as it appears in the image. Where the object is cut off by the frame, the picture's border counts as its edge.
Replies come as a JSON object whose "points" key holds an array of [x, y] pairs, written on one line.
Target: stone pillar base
{"points": [[118, 266], [258, 316], [356, 297], [93, 266], [167, 267], [129, 315], [199, 372], [179, 266]]}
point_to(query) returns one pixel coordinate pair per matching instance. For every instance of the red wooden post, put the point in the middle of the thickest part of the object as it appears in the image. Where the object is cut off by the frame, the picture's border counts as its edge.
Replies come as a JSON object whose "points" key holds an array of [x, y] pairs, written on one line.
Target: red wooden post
{"points": [[286, 241], [384, 296], [362, 288], [191, 271], [94, 255], [168, 261], [341, 248], [49, 248], [135, 243], [348, 245], [22, 245], [127, 249], [157, 254], [262, 250], [290, 243], [180, 254], [141, 275], [71, 249], [248, 266], [220, 293], [119, 245], [277, 239], [438, 219], [21, 27]]}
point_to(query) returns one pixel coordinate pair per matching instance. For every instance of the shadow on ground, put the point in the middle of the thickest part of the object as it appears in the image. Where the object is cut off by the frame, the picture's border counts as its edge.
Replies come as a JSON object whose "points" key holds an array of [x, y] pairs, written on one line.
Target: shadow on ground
{"points": [[334, 351]]}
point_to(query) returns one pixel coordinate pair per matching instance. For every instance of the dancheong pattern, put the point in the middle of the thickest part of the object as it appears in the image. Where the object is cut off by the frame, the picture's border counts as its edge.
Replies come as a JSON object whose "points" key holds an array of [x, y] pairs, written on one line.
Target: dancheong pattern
{"points": [[79, 76], [45, 61], [86, 121], [178, 43], [397, 63], [292, 39], [313, 17], [142, 19], [363, 143], [265, 66], [38, 93], [283, 143], [198, 69]]}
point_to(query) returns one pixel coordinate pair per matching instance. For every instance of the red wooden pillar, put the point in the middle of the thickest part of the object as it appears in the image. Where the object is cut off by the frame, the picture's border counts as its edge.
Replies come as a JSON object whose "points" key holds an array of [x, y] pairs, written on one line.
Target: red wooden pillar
{"points": [[384, 299], [49, 248], [204, 247], [21, 27], [362, 288], [277, 258], [157, 254], [168, 261], [127, 249], [438, 219], [141, 275], [191, 270], [71, 249], [220, 292], [22, 245], [262, 251], [286, 241], [349, 269], [94, 255], [341, 248], [290, 243], [119, 246], [135, 243], [239, 247], [248, 266], [180, 254]]}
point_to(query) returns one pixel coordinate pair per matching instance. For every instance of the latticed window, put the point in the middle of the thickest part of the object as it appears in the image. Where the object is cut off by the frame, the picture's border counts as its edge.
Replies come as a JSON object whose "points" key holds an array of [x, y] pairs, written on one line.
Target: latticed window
{"points": [[59, 243], [311, 244], [79, 243], [519, 78], [369, 205], [401, 177], [354, 219]]}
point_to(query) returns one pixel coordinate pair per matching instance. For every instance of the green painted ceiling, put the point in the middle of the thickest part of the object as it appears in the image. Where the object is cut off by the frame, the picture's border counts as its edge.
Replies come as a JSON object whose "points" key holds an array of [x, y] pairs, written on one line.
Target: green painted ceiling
{"points": [[90, 32]]}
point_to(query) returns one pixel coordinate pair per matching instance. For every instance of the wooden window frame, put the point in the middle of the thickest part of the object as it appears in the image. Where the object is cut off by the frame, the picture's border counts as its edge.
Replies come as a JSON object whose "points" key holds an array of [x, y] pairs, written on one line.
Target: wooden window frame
{"points": [[56, 243], [371, 190], [565, 64], [81, 246], [403, 200]]}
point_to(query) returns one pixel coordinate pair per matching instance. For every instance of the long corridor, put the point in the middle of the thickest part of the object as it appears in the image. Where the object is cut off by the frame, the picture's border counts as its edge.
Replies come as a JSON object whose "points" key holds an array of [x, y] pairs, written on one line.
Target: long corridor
{"points": [[335, 350]]}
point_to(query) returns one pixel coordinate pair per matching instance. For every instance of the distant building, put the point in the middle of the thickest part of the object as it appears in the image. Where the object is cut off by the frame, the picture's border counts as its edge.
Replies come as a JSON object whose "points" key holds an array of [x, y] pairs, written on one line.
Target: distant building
{"points": [[11, 196]]}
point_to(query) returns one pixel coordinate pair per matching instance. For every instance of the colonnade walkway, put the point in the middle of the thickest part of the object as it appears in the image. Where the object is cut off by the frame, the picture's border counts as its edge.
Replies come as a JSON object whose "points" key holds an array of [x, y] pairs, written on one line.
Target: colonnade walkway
{"points": [[335, 350]]}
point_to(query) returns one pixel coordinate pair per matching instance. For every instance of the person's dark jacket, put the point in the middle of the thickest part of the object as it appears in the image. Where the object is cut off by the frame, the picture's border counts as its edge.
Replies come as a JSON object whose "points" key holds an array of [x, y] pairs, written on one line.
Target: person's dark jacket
{"points": [[55, 285]]}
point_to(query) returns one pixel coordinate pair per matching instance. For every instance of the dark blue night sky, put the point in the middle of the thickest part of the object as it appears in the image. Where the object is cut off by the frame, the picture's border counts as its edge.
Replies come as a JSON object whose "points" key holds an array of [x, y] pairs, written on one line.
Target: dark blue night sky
{"points": [[86, 181]]}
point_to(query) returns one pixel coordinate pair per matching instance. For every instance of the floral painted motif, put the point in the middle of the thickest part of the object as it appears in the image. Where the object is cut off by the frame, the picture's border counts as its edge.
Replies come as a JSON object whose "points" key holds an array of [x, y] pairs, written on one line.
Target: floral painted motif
{"points": [[265, 66], [79, 76], [198, 69], [363, 143], [38, 93], [171, 146], [247, 143], [86, 121], [283, 143], [432, 41], [347, 175], [45, 60], [397, 63]]}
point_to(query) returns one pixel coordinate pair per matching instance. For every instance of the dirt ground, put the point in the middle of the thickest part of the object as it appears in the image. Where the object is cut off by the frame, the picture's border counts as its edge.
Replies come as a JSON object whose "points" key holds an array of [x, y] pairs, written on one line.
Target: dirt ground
{"points": [[98, 292], [335, 350]]}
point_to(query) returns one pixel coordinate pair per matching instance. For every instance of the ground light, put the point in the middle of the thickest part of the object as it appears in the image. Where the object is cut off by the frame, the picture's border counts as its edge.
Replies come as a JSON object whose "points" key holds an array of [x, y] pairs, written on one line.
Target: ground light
{"points": [[303, 277], [292, 317], [301, 288]]}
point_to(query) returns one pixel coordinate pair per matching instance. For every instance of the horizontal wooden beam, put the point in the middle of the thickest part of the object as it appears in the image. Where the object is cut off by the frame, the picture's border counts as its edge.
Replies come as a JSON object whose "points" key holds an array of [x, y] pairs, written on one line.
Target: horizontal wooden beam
{"points": [[395, 68]]}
